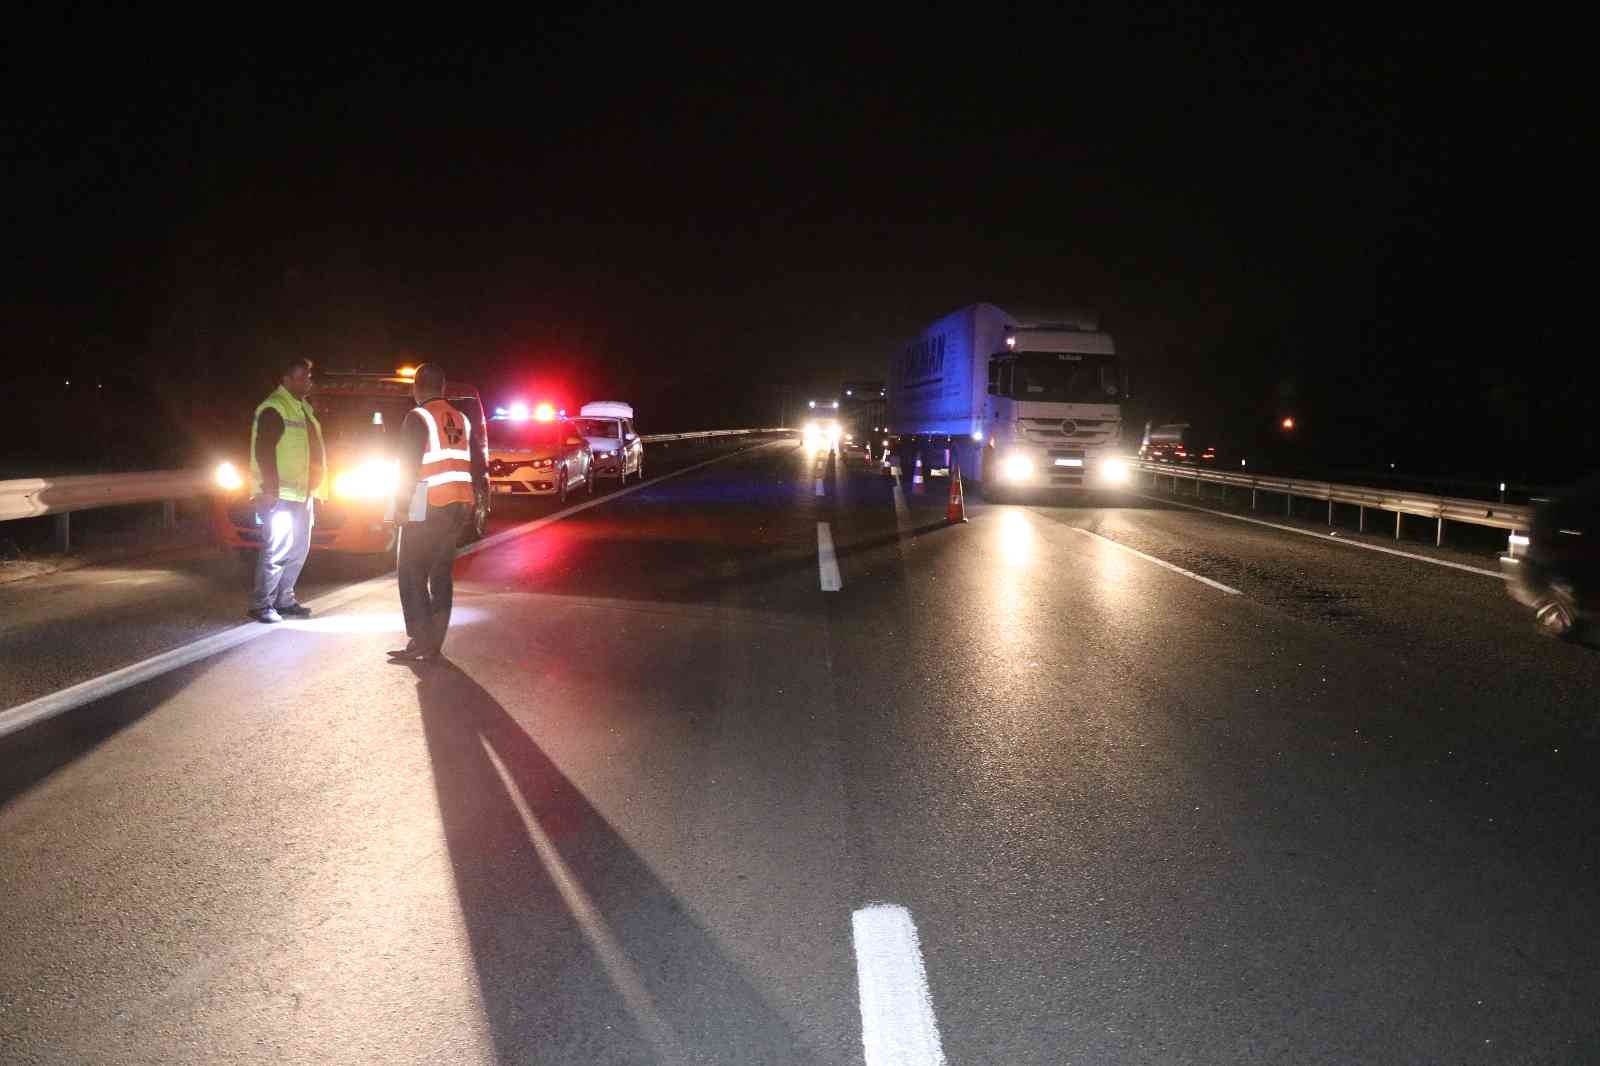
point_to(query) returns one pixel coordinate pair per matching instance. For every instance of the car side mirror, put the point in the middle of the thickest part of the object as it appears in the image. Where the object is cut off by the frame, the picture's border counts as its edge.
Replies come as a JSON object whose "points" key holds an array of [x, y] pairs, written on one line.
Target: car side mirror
{"points": [[630, 436]]}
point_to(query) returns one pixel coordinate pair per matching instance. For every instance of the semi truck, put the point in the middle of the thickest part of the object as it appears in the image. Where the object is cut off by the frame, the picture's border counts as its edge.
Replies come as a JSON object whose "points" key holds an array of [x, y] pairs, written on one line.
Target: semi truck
{"points": [[1020, 402]]}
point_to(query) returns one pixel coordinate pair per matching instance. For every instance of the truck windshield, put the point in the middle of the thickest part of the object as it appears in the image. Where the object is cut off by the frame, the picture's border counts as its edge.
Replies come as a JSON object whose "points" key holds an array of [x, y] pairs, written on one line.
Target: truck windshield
{"points": [[373, 422], [1065, 377], [361, 421]]}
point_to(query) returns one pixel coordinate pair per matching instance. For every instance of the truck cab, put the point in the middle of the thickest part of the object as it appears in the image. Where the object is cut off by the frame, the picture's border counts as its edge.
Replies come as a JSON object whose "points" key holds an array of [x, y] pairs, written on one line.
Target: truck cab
{"points": [[360, 415], [1052, 418]]}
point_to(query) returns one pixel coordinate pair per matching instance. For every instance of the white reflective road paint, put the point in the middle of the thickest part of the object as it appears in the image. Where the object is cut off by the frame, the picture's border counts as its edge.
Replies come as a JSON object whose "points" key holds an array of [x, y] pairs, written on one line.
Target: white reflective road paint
{"points": [[1161, 562], [902, 514], [827, 562], [898, 1027], [1324, 538], [98, 688]]}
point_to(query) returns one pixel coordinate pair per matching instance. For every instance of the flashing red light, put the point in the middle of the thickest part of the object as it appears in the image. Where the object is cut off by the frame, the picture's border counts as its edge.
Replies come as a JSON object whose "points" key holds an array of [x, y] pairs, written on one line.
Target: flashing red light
{"points": [[518, 412], [544, 412], [1287, 423]]}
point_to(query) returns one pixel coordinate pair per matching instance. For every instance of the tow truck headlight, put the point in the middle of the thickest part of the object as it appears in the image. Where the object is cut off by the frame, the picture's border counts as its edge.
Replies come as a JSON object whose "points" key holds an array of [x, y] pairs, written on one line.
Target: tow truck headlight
{"points": [[1017, 467], [228, 478], [371, 480], [1115, 471]]}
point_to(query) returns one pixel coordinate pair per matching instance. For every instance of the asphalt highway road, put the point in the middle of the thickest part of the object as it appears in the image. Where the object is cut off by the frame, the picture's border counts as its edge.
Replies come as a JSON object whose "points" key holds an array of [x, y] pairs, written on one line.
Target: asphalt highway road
{"points": [[1326, 805]]}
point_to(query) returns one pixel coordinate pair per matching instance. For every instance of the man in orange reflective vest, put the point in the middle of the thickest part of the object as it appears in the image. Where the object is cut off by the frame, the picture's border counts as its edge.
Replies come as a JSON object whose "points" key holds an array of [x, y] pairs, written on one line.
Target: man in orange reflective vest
{"points": [[442, 449]]}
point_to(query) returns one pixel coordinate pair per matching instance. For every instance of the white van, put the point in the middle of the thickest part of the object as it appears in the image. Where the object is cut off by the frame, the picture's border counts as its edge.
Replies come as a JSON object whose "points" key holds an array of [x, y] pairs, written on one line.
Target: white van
{"points": [[608, 427]]}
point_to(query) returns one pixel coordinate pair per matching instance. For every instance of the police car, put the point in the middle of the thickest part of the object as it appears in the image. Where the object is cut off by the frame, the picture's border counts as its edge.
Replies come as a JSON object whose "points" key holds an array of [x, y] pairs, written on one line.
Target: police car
{"points": [[538, 452]]}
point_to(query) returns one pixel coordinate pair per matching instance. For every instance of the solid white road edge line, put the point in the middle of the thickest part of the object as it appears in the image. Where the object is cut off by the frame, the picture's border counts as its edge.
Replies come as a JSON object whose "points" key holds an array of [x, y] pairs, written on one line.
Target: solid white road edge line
{"points": [[97, 688], [1324, 538], [1161, 562], [898, 1027], [827, 563]]}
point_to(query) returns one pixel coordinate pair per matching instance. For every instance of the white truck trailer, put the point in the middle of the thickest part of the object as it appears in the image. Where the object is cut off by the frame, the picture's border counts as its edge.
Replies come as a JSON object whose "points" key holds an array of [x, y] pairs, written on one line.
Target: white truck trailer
{"points": [[1020, 403]]}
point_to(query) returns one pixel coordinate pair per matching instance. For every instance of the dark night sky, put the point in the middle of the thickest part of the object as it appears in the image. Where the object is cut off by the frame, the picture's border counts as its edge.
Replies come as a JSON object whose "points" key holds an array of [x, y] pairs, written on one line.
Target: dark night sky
{"points": [[1373, 225]]}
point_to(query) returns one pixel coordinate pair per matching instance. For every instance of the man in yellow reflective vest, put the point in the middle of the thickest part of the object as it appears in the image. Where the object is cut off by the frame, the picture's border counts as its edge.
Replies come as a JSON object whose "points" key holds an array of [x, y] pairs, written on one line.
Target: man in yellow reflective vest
{"points": [[442, 455], [288, 473]]}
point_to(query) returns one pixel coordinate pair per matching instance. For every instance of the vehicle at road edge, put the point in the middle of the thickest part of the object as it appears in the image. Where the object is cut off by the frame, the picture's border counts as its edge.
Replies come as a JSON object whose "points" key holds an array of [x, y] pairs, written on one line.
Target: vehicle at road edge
{"points": [[540, 455], [1558, 571], [608, 427], [360, 415]]}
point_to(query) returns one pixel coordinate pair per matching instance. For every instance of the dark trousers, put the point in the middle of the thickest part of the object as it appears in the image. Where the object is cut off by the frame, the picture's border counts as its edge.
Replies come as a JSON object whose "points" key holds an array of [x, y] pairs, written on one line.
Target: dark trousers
{"points": [[427, 552]]}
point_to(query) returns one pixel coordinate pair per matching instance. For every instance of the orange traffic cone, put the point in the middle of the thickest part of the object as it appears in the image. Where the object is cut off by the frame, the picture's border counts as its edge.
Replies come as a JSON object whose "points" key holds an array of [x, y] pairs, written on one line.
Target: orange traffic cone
{"points": [[957, 509]]}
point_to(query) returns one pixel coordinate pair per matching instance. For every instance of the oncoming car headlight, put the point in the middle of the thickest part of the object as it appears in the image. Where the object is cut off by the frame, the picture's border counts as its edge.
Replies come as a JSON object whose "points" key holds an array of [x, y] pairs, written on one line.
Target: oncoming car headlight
{"points": [[371, 480], [1017, 467]]}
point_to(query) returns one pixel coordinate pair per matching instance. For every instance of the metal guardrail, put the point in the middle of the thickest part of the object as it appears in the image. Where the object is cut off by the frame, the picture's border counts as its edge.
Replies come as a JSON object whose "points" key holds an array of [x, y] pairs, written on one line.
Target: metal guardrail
{"points": [[1508, 516], [658, 438], [36, 497]]}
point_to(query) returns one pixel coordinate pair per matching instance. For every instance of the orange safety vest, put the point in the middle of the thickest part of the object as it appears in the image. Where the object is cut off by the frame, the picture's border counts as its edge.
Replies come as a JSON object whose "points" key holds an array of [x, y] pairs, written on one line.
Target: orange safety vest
{"points": [[447, 464]]}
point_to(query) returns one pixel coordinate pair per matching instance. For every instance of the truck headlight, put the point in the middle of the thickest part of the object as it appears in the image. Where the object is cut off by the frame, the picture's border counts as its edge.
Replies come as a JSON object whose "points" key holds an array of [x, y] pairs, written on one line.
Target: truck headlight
{"points": [[371, 480], [1114, 471], [1017, 467], [228, 478]]}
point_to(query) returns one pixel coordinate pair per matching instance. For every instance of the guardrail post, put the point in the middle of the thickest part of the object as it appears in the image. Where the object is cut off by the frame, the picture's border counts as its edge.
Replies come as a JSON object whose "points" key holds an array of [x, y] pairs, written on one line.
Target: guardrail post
{"points": [[169, 514], [1252, 497], [1438, 535], [1361, 520], [1397, 516], [1288, 505], [64, 533], [1330, 511]]}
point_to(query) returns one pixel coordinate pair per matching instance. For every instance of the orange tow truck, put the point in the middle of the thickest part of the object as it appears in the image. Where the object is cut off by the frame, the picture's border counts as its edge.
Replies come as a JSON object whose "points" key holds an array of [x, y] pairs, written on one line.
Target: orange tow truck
{"points": [[360, 416]]}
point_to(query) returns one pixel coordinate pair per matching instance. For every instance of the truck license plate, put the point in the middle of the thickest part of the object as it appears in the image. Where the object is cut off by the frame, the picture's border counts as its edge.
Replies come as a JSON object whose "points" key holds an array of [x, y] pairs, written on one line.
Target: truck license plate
{"points": [[1069, 462]]}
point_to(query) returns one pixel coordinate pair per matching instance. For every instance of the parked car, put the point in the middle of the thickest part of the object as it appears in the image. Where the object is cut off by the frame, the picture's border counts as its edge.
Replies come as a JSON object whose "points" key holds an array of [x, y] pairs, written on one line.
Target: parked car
{"points": [[1557, 570], [530, 456], [608, 427]]}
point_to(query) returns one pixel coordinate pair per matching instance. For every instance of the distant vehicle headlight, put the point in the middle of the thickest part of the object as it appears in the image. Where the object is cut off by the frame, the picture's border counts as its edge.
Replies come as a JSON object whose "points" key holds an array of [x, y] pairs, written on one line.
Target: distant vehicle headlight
{"points": [[1017, 467], [373, 479], [228, 478], [1114, 471]]}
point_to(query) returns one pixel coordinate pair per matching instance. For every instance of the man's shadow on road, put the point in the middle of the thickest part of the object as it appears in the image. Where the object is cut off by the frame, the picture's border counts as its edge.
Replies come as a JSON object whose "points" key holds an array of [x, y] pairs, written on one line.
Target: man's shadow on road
{"points": [[582, 954]]}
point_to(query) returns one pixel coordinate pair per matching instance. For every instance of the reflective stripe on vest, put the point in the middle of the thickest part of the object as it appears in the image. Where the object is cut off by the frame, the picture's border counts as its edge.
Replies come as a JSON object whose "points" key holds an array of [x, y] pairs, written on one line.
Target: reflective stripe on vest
{"points": [[447, 471]]}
